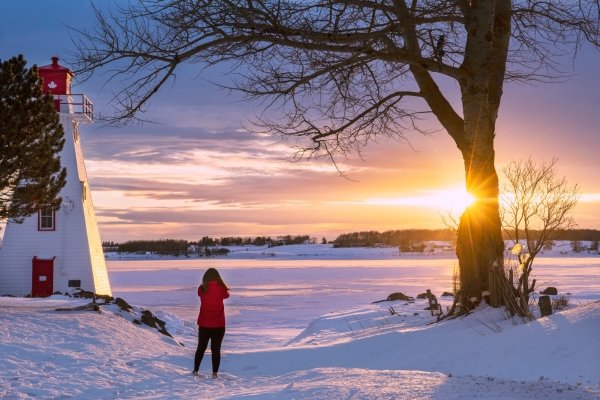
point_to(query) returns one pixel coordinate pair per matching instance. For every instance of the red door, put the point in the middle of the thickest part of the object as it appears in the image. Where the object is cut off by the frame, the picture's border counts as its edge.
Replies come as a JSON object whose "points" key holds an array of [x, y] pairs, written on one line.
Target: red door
{"points": [[42, 282]]}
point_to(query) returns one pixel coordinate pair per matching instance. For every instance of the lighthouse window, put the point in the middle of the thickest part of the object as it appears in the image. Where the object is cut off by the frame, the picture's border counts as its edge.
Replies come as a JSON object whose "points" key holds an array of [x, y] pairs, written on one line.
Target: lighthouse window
{"points": [[84, 191], [75, 133], [46, 219]]}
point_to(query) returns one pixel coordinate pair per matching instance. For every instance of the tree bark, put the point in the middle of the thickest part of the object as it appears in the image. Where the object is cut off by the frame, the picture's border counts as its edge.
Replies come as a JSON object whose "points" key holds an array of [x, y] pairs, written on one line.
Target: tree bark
{"points": [[480, 245]]}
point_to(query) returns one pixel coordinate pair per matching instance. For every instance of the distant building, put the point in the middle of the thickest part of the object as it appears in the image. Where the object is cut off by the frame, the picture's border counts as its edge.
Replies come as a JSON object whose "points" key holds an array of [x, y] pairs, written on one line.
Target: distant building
{"points": [[58, 250]]}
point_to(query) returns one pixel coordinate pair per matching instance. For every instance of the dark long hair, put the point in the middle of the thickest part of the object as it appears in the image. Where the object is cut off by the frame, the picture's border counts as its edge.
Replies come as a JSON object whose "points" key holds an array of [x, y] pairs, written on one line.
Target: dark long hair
{"points": [[212, 274]]}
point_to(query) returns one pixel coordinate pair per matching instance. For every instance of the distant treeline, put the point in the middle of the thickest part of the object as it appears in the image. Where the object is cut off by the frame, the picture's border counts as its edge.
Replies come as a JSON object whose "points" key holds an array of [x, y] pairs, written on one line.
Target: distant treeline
{"points": [[393, 238], [162, 246], [402, 237], [177, 247], [573, 234], [406, 237], [257, 241]]}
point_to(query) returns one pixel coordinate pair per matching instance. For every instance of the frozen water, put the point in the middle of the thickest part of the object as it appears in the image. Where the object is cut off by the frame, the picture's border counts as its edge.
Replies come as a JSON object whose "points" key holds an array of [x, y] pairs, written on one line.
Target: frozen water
{"points": [[273, 300]]}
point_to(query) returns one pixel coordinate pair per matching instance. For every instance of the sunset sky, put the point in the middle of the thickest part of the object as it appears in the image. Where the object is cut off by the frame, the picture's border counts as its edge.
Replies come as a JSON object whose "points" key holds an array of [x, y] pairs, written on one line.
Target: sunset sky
{"points": [[201, 173]]}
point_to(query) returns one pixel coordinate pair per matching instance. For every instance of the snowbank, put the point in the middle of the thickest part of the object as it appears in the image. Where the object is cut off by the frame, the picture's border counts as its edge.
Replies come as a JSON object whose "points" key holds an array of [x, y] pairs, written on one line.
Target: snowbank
{"points": [[49, 354]]}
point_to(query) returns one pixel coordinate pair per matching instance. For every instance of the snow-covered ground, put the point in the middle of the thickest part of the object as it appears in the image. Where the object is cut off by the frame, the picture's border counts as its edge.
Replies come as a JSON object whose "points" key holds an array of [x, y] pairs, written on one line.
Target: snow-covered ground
{"points": [[304, 329], [49, 354]]}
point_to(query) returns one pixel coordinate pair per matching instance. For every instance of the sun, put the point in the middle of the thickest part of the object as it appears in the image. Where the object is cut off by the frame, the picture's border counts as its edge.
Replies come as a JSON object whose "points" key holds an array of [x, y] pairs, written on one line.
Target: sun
{"points": [[456, 199]]}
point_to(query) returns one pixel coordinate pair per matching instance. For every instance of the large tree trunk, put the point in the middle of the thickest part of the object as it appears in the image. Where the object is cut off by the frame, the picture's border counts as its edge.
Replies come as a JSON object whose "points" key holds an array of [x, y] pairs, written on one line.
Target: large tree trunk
{"points": [[481, 78], [480, 246]]}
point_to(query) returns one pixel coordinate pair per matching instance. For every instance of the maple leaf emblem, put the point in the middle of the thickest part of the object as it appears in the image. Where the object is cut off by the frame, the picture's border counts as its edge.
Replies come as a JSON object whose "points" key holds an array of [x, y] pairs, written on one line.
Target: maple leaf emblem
{"points": [[52, 85]]}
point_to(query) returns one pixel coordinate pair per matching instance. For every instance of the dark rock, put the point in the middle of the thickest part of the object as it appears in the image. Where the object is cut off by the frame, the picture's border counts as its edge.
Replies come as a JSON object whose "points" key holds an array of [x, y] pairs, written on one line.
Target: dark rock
{"points": [[416, 314], [154, 322], [137, 322], [397, 296], [123, 305], [148, 319], [162, 328], [107, 299], [394, 297], [447, 294], [57, 292], [550, 290], [91, 306], [83, 294], [8, 295], [426, 295]]}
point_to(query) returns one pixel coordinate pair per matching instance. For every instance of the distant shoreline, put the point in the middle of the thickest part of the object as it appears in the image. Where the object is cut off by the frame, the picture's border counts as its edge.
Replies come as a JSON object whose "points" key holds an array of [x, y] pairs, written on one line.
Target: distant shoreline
{"points": [[327, 252]]}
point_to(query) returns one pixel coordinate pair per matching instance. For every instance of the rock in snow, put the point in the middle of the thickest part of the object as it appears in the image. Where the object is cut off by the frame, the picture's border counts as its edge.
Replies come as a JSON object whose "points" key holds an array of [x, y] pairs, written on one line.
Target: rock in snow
{"points": [[550, 291]]}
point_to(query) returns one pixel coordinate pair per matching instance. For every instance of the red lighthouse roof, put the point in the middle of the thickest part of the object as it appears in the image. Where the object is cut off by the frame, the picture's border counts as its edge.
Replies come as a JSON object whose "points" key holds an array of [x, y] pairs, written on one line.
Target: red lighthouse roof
{"points": [[57, 79]]}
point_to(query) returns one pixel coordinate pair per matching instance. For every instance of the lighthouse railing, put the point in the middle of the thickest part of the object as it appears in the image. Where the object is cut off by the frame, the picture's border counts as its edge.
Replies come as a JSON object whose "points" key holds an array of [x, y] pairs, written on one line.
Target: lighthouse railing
{"points": [[74, 104]]}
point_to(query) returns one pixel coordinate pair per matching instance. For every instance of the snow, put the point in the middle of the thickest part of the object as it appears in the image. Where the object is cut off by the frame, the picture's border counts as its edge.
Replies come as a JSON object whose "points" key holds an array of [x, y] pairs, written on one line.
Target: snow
{"points": [[304, 329]]}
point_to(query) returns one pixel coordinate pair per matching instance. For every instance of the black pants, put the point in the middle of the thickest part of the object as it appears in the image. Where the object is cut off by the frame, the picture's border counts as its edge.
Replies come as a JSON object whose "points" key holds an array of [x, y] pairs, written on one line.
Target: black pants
{"points": [[215, 335]]}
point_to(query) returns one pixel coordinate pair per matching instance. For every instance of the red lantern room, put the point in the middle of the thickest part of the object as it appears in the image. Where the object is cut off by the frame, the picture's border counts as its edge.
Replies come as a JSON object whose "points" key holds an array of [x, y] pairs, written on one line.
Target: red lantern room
{"points": [[57, 79]]}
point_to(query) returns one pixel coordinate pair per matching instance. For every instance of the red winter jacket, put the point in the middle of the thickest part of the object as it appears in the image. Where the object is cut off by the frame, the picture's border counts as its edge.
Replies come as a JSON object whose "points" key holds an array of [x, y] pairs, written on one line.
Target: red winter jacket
{"points": [[212, 310]]}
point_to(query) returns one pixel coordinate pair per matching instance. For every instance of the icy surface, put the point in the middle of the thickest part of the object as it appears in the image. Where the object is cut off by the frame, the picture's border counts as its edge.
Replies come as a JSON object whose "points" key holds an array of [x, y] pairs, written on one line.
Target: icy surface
{"points": [[273, 300]]}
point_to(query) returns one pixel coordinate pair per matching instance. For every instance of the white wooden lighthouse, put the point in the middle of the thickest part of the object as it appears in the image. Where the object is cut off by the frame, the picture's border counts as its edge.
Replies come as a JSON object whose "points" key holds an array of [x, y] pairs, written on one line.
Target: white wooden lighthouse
{"points": [[57, 251]]}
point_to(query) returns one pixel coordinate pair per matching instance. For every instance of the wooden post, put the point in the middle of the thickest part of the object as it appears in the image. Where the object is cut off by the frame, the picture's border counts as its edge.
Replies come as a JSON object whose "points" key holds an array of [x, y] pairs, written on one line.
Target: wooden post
{"points": [[494, 287], [434, 306], [545, 306]]}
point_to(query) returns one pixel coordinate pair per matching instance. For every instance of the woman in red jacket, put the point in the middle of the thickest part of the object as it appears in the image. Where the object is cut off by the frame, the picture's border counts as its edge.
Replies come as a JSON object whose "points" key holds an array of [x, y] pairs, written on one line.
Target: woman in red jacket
{"points": [[211, 320]]}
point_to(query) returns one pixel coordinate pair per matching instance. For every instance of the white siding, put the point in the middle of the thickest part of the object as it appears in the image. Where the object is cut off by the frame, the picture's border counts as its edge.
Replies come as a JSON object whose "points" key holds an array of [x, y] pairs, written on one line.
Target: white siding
{"points": [[75, 243]]}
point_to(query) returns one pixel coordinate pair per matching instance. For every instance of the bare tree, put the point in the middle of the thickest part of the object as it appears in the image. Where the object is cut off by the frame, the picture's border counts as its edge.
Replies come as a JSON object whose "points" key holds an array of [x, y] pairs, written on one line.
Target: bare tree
{"points": [[536, 206], [451, 220], [342, 73]]}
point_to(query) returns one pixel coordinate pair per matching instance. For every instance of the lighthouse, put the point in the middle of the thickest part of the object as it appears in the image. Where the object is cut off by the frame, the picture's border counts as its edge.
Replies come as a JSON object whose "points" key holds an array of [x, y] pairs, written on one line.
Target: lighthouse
{"points": [[58, 250]]}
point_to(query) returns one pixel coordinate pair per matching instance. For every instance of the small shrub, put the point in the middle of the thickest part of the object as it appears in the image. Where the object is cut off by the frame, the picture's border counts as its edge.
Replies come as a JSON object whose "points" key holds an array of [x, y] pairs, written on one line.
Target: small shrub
{"points": [[221, 251], [560, 303]]}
